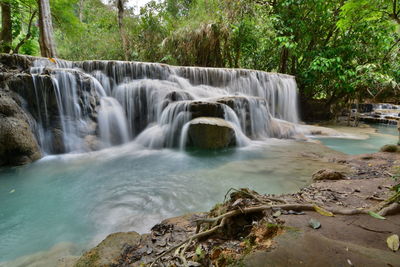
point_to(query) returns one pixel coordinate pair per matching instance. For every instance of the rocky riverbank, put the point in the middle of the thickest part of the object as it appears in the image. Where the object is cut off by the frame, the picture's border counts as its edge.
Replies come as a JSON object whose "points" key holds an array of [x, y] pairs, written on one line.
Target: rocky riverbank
{"points": [[324, 224]]}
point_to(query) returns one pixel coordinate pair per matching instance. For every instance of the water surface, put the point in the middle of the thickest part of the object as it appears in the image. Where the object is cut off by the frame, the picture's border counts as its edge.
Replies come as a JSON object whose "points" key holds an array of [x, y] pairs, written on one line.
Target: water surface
{"points": [[385, 134], [81, 198], [78, 199]]}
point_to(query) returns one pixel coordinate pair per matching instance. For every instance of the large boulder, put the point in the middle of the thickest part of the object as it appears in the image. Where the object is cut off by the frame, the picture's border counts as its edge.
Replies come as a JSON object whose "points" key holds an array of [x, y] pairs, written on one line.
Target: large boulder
{"points": [[210, 133], [39, 96], [108, 252], [18, 144]]}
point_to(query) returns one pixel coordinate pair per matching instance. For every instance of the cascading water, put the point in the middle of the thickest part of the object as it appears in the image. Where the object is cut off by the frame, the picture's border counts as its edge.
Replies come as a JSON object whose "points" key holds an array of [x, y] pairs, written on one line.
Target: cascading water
{"points": [[113, 127], [84, 106], [111, 103]]}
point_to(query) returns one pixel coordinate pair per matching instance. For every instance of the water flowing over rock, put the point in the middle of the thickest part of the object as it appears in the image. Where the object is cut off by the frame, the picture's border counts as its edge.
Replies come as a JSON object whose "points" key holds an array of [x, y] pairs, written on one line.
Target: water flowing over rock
{"points": [[81, 106]]}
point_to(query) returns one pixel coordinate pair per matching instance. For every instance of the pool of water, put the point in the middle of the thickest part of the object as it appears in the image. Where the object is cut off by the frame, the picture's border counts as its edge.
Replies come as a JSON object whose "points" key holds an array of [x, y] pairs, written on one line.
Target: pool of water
{"points": [[75, 200], [82, 198], [385, 134]]}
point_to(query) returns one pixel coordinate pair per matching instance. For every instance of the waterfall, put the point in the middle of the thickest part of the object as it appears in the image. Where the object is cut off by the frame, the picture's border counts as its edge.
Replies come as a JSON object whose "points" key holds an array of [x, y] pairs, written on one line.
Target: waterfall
{"points": [[112, 123], [115, 102]]}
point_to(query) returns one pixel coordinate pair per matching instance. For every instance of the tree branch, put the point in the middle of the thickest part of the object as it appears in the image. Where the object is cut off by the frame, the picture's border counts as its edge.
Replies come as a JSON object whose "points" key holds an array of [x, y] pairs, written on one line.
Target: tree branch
{"points": [[28, 34]]}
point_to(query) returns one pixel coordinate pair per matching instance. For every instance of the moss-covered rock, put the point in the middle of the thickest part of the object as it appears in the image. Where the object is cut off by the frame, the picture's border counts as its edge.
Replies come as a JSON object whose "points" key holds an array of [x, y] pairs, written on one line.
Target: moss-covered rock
{"points": [[108, 252], [390, 148], [327, 174]]}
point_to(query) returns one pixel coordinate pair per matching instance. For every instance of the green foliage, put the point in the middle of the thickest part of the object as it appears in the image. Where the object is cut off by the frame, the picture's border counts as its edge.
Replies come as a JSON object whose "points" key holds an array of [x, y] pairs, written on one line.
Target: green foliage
{"points": [[95, 37], [21, 13], [338, 50]]}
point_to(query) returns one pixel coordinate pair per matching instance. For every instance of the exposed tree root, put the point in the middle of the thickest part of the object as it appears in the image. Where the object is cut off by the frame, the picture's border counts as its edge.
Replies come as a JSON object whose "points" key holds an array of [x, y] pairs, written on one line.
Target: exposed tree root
{"points": [[244, 202], [392, 209], [256, 196], [223, 218]]}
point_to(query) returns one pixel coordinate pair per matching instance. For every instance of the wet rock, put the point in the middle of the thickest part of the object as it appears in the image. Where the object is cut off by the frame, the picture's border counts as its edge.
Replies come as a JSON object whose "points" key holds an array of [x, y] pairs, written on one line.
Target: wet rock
{"points": [[241, 101], [284, 129], [178, 96], [375, 118], [108, 252], [327, 174], [58, 141], [15, 61], [92, 143], [206, 109], [247, 109], [211, 133], [18, 145], [390, 148]]}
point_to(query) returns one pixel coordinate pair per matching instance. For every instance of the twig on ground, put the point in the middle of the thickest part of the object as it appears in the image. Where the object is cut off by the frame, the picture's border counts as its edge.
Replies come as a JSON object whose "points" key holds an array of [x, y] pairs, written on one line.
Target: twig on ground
{"points": [[372, 230], [388, 173], [375, 198]]}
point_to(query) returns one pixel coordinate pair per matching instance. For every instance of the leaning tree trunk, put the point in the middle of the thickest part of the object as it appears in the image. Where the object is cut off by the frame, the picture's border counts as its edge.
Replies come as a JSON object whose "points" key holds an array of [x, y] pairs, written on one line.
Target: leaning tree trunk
{"points": [[398, 128], [80, 10], [125, 46], [46, 41], [6, 27]]}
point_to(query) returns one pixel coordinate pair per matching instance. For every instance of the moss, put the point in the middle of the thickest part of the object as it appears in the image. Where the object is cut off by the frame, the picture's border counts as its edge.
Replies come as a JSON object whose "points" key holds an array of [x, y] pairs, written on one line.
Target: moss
{"points": [[390, 148], [90, 258]]}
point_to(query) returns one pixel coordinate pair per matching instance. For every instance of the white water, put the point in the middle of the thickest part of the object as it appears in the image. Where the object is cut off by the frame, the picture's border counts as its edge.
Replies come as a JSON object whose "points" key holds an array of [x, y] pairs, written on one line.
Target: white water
{"points": [[122, 101]]}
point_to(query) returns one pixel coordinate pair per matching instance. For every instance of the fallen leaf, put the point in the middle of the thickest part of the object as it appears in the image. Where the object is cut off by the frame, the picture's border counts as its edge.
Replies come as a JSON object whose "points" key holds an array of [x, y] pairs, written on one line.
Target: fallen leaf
{"points": [[393, 242], [314, 223], [199, 251], [376, 215], [322, 211]]}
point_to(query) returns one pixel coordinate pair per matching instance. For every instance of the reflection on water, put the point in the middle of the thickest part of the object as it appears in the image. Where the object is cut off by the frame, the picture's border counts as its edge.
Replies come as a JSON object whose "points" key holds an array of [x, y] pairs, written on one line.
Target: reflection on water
{"points": [[81, 198]]}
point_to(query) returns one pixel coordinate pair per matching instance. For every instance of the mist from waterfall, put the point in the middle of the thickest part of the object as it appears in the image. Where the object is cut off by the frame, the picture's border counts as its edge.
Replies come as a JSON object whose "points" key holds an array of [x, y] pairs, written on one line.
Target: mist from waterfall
{"points": [[100, 104]]}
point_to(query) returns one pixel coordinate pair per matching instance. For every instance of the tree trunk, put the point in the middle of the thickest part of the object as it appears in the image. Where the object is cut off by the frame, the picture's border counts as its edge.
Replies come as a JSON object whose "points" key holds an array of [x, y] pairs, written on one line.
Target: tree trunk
{"points": [[294, 61], [398, 128], [124, 39], [284, 60], [6, 28], [80, 10], [46, 41]]}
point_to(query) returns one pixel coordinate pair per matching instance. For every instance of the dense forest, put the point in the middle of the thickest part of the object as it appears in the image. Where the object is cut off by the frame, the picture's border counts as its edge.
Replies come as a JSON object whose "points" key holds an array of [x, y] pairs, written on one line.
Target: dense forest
{"points": [[341, 52]]}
